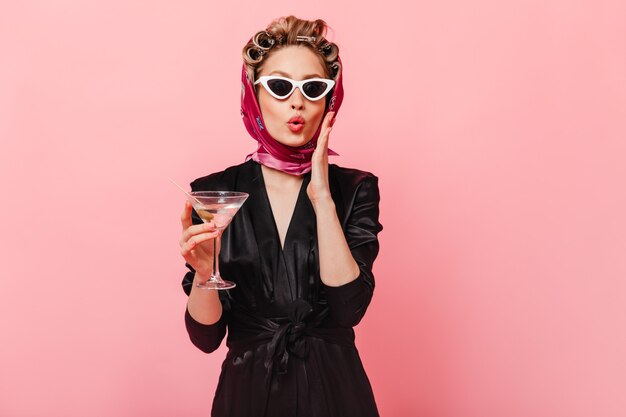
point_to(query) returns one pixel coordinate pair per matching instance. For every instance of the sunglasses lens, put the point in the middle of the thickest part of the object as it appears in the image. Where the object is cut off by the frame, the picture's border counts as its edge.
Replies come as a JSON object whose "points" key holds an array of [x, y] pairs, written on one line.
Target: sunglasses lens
{"points": [[280, 87], [314, 89]]}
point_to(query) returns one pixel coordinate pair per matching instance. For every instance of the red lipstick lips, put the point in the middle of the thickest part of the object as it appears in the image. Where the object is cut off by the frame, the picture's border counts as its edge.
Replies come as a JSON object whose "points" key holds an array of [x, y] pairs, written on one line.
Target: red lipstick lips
{"points": [[296, 124]]}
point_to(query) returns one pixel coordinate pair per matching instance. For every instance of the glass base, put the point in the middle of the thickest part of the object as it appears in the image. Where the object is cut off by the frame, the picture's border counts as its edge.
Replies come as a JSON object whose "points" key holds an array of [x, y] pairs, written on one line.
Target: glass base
{"points": [[214, 284]]}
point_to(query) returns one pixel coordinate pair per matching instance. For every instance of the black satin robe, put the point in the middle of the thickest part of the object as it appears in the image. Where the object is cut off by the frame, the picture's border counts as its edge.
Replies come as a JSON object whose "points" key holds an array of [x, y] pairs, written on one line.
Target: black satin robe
{"points": [[290, 337]]}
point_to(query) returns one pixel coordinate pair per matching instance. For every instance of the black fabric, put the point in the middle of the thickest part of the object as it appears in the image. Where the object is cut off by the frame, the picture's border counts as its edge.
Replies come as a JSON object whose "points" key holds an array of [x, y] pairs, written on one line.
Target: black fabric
{"points": [[290, 336]]}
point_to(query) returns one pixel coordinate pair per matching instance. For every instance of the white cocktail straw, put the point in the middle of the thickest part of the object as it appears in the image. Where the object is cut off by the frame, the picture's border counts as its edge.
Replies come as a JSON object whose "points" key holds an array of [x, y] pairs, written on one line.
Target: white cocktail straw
{"points": [[183, 190]]}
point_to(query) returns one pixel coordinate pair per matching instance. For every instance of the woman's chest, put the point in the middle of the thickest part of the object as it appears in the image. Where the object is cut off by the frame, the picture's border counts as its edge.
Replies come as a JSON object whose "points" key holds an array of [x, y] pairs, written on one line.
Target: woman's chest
{"points": [[272, 271], [282, 201]]}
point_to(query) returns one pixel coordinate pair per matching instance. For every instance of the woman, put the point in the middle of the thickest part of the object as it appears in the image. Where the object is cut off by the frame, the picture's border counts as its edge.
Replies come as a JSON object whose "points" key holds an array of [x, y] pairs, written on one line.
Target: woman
{"points": [[300, 249]]}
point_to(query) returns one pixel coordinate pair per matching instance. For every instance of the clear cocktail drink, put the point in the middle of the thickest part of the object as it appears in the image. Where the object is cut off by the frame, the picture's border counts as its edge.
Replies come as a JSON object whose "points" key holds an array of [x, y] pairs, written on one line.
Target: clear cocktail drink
{"points": [[219, 207]]}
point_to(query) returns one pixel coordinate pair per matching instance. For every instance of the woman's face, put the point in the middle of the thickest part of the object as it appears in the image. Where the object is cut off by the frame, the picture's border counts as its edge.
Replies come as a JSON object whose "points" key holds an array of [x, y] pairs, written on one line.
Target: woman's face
{"points": [[297, 63]]}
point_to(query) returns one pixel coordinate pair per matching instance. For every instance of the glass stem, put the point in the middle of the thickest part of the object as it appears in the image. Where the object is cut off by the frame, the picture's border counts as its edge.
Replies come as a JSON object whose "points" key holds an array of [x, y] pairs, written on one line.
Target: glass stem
{"points": [[216, 268]]}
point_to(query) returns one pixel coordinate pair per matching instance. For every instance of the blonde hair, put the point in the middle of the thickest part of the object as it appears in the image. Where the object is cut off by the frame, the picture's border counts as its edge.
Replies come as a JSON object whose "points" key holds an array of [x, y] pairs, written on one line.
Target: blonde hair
{"points": [[286, 31]]}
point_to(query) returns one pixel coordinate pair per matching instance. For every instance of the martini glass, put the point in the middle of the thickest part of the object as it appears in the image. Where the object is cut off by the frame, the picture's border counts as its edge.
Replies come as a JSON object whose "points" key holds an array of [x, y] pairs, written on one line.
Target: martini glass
{"points": [[219, 207]]}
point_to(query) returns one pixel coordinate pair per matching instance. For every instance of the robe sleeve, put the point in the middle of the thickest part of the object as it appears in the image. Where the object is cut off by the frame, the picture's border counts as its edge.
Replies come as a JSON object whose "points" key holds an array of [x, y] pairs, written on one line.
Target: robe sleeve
{"points": [[206, 337], [348, 303]]}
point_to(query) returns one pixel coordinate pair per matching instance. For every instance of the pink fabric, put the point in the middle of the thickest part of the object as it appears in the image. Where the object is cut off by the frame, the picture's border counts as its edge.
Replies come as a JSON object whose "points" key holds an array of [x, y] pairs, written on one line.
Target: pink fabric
{"points": [[271, 153]]}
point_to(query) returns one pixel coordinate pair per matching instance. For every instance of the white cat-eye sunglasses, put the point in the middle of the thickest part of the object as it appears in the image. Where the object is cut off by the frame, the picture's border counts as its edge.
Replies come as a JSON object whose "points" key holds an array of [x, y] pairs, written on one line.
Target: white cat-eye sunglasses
{"points": [[282, 87]]}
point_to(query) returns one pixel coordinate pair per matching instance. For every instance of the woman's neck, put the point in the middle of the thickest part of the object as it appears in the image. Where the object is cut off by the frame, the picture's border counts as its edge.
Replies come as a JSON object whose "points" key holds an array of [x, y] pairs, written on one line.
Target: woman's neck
{"points": [[273, 176]]}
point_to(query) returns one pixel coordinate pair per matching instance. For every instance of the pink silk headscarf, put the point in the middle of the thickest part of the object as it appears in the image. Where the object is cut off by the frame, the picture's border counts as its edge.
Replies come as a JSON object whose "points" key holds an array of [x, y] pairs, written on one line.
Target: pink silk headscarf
{"points": [[271, 153]]}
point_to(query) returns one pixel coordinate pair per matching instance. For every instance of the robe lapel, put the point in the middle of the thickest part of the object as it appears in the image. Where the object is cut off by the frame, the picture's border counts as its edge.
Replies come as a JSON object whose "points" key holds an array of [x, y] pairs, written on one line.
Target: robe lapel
{"points": [[276, 280], [299, 242], [256, 212]]}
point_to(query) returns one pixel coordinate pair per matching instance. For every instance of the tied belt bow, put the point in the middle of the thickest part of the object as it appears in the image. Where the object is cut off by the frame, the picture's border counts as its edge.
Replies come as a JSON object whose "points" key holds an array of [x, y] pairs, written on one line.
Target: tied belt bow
{"points": [[288, 338], [247, 331]]}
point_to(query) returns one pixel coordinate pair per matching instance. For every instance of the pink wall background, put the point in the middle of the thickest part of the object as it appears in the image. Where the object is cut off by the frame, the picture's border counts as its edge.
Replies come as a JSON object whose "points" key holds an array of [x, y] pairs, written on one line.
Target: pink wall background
{"points": [[497, 130]]}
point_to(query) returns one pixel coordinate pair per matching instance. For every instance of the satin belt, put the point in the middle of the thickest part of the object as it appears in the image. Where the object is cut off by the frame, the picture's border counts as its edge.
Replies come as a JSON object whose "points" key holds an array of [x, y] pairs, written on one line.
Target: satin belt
{"points": [[287, 336]]}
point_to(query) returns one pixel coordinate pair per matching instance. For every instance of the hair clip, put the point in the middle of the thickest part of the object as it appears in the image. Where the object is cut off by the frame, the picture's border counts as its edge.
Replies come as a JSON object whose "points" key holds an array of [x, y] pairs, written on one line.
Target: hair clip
{"points": [[326, 48], [305, 38], [255, 53], [270, 38]]}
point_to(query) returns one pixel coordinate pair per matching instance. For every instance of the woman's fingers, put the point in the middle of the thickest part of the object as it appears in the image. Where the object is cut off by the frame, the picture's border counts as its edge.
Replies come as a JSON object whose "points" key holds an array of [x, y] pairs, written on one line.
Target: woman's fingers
{"points": [[195, 240], [331, 118], [201, 237], [322, 143], [199, 256], [327, 126], [197, 228], [319, 158], [185, 218], [194, 234], [327, 122]]}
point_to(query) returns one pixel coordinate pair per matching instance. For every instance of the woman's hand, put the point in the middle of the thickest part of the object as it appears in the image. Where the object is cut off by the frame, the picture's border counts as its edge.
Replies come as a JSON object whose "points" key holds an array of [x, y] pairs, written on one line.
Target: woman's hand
{"points": [[318, 188], [196, 244]]}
